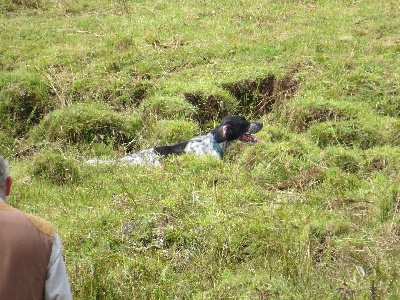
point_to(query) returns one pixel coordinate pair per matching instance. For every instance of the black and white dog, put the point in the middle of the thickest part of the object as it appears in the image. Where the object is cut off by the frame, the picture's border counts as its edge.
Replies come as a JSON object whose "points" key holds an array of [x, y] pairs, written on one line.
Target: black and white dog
{"points": [[215, 143]]}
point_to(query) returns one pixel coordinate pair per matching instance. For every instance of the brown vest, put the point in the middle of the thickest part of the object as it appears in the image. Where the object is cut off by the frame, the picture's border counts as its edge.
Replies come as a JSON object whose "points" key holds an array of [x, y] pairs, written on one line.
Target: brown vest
{"points": [[25, 247]]}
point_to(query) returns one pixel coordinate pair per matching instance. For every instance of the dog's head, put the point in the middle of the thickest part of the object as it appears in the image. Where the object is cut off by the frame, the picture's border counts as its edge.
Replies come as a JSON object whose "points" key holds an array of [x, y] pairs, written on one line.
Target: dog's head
{"points": [[236, 128]]}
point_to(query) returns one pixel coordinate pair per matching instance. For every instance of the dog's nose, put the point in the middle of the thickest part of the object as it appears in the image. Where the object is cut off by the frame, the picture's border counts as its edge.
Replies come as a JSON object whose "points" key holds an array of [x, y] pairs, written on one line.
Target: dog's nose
{"points": [[255, 127]]}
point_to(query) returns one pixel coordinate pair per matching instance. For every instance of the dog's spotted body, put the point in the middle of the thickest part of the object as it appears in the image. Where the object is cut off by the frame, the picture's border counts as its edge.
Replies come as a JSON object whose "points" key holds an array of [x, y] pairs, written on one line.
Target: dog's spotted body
{"points": [[215, 143]]}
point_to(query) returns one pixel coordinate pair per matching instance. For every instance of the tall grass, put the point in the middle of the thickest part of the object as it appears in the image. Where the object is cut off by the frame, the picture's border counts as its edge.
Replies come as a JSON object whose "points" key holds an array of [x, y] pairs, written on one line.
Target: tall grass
{"points": [[310, 212]]}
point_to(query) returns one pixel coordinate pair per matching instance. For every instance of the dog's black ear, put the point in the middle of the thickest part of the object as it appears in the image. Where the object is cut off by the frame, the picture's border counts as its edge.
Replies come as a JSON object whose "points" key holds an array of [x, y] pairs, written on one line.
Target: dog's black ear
{"points": [[233, 132], [220, 132], [225, 129]]}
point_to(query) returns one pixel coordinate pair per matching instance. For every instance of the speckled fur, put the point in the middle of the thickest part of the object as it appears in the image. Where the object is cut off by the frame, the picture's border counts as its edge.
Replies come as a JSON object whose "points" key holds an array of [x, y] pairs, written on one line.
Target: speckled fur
{"points": [[215, 143]]}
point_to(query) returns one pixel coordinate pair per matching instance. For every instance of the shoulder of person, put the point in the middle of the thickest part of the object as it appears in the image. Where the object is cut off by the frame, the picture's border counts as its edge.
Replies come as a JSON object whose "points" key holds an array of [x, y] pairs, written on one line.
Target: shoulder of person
{"points": [[43, 225]]}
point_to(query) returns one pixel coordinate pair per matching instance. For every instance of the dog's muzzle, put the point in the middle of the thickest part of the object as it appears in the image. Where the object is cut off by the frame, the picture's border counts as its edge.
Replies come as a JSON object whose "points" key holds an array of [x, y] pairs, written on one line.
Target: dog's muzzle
{"points": [[248, 137]]}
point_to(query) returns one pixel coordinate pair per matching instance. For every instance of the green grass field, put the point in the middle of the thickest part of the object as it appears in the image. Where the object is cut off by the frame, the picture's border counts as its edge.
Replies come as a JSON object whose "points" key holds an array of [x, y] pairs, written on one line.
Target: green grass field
{"points": [[311, 212]]}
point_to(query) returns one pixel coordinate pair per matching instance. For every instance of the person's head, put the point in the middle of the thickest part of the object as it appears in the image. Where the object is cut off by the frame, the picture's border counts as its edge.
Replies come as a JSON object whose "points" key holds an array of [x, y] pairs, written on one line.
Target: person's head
{"points": [[5, 178]]}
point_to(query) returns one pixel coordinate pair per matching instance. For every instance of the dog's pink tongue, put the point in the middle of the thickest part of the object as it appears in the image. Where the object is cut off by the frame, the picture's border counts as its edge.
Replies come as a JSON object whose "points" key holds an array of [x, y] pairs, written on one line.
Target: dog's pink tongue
{"points": [[249, 138]]}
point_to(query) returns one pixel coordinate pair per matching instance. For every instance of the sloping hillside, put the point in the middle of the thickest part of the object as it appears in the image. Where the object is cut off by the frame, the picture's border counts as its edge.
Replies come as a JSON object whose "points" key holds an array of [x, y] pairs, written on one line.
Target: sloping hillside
{"points": [[310, 212]]}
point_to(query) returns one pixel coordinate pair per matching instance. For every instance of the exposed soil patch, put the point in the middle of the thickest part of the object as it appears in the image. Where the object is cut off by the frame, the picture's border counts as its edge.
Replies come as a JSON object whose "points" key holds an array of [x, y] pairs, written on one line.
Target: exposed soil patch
{"points": [[303, 180], [25, 108], [378, 164], [209, 107], [258, 96]]}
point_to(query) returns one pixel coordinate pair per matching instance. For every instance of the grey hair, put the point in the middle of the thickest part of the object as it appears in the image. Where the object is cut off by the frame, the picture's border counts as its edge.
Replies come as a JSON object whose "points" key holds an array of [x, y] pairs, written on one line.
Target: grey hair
{"points": [[4, 172]]}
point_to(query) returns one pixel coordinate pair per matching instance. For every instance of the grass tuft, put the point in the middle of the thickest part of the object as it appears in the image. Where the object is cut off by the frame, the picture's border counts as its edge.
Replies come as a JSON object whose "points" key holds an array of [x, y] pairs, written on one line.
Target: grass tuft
{"points": [[86, 123], [56, 169], [347, 134]]}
